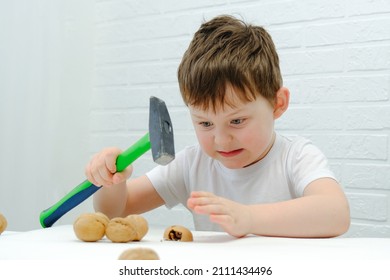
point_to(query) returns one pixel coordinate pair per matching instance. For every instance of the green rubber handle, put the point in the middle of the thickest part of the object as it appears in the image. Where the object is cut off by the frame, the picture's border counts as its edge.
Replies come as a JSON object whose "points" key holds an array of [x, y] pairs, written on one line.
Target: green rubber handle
{"points": [[132, 153], [85, 189]]}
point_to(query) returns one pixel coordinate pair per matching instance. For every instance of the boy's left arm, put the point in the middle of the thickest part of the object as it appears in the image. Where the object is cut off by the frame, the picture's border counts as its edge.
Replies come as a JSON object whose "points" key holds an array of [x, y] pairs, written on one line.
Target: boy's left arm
{"points": [[323, 211]]}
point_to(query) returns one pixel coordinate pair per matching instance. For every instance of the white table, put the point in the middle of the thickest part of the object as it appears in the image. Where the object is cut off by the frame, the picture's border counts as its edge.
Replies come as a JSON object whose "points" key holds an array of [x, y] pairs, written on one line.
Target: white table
{"points": [[60, 242], [334, 258]]}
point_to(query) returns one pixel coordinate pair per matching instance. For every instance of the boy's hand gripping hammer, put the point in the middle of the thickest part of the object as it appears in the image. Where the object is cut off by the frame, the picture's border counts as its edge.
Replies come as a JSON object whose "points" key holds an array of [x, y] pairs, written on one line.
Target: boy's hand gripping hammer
{"points": [[159, 139]]}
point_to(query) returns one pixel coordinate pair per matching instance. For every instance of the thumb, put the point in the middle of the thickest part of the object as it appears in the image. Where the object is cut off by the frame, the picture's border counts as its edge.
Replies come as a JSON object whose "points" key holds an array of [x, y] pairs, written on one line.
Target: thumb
{"points": [[122, 176]]}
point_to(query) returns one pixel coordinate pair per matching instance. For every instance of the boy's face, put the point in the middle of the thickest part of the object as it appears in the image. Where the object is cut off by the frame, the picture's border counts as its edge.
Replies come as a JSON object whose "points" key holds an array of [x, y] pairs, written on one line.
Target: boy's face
{"points": [[237, 137]]}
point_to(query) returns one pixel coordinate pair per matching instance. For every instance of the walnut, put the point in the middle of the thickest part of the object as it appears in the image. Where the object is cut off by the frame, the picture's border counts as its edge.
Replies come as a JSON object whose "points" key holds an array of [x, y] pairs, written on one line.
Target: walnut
{"points": [[141, 226], [139, 254], [90, 227], [178, 233], [121, 230], [3, 223]]}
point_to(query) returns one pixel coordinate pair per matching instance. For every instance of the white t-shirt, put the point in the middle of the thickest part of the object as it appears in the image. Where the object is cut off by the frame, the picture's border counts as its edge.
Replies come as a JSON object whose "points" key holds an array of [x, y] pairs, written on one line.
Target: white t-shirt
{"points": [[290, 165]]}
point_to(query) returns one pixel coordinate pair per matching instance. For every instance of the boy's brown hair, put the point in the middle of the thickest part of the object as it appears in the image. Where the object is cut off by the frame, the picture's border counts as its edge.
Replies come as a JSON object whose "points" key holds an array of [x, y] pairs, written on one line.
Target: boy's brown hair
{"points": [[225, 51]]}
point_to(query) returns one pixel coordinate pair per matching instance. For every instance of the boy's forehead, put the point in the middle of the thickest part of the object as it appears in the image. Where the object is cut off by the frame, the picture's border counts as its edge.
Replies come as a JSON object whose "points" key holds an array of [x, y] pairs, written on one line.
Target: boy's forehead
{"points": [[225, 108], [232, 100]]}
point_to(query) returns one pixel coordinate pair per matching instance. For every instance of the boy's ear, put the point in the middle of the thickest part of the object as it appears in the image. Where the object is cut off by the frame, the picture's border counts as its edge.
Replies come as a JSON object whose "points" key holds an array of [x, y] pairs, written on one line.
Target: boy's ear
{"points": [[281, 102]]}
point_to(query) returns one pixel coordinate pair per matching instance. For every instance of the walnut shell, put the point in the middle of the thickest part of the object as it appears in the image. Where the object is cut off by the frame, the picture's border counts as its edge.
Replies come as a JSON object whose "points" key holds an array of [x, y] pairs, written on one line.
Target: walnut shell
{"points": [[139, 254], [105, 219], [3, 223], [121, 230], [178, 233], [90, 227], [141, 226]]}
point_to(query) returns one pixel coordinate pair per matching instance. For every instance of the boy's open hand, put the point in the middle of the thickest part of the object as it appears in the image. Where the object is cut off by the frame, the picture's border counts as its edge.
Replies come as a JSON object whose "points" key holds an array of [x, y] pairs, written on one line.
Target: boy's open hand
{"points": [[101, 170], [233, 217]]}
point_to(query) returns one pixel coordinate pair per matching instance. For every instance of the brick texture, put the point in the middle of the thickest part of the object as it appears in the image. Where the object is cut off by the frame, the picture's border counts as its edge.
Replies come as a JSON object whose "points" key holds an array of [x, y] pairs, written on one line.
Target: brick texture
{"points": [[335, 59]]}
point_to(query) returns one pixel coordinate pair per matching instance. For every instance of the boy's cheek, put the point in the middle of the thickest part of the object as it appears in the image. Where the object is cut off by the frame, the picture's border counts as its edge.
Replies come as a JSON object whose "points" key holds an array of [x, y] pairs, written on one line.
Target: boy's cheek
{"points": [[207, 145]]}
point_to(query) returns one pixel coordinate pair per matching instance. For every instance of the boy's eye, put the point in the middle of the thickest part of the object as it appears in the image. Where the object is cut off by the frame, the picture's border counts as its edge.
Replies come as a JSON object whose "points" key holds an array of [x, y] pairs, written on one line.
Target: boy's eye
{"points": [[206, 124], [237, 121]]}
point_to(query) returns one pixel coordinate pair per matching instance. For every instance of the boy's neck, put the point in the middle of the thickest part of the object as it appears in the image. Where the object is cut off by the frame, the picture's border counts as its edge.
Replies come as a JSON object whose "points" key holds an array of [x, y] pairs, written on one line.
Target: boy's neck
{"points": [[266, 151]]}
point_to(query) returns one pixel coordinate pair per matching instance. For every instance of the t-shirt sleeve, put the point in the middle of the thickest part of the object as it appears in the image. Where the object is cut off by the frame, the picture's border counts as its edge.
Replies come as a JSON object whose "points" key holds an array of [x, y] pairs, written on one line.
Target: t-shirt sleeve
{"points": [[169, 181], [307, 164]]}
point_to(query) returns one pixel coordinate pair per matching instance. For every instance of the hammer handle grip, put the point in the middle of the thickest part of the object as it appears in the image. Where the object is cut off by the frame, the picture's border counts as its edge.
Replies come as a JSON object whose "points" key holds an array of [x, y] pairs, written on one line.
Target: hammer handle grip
{"points": [[132, 153], [85, 189], [77, 195]]}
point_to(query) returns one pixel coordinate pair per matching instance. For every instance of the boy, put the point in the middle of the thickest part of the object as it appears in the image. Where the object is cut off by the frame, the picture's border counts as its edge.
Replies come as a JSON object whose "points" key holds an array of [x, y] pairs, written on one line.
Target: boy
{"points": [[243, 177]]}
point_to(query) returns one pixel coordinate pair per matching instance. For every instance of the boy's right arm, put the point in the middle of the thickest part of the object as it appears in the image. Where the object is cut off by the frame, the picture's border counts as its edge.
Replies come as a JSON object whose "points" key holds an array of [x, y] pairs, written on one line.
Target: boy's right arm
{"points": [[118, 196]]}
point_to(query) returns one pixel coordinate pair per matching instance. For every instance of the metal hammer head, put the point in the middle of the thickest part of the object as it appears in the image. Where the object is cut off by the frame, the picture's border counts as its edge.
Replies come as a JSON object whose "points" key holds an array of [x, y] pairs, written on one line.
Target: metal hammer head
{"points": [[160, 132]]}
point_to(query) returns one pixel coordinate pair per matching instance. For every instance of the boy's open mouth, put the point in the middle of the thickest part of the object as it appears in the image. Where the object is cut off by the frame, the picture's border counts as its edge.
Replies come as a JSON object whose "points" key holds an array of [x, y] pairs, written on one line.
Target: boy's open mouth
{"points": [[230, 153]]}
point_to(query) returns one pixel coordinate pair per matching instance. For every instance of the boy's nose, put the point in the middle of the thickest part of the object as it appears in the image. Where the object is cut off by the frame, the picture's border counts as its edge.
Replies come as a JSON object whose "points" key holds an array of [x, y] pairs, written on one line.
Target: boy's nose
{"points": [[222, 137]]}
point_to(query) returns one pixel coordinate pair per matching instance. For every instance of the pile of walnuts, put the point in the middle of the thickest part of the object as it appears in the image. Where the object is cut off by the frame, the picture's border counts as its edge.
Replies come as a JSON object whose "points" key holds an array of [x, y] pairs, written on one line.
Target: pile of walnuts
{"points": [[91, 227]]}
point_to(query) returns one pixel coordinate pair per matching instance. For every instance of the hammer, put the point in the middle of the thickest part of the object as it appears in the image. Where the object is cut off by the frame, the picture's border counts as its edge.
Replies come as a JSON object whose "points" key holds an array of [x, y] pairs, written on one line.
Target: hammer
{"points": [[159, 139]]}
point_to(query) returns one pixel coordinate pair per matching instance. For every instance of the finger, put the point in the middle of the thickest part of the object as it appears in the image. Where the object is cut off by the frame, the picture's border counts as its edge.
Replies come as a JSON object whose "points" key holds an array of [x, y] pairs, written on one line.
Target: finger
{"points": [[202, 199], [207, 200], [89, 172], [102, 166], [201, 194], [110, 159], [221, 219], [122, 176], [105, 176], [194, 198], [97, 179], [210, 209], [101, 176], [194, 202]]}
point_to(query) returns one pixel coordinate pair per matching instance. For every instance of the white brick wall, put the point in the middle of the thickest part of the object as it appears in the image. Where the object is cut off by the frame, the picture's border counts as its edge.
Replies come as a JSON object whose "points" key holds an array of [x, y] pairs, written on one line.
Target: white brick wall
{"points": [[335, 59]]}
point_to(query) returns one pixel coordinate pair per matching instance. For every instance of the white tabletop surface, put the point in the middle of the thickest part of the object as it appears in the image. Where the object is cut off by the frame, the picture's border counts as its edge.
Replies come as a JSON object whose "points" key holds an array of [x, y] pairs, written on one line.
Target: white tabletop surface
{"points": [[60, 242]]}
